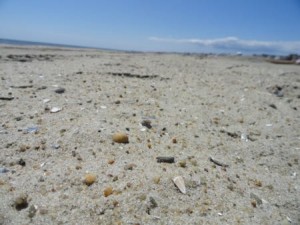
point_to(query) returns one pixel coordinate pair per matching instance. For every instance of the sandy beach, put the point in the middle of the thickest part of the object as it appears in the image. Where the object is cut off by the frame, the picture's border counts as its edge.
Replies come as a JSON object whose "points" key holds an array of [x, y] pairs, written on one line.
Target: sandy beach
{"points": [[232, 124]]}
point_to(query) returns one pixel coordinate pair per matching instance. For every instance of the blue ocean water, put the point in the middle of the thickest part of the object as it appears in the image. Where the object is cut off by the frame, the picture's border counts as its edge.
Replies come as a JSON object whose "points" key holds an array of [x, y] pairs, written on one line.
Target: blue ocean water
{"points": [[19, 42]]}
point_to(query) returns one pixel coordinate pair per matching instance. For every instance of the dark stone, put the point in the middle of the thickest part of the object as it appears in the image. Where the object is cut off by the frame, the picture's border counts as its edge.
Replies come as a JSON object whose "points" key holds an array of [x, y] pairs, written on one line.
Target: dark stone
{"points": [[60, 90], [147, 123], [21, 202], [22, 162]]}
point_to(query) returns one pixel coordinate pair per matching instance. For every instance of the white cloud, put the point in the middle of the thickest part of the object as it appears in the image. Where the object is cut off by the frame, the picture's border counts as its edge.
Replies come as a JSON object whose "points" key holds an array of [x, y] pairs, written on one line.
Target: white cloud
{"points": [[233, 44]]}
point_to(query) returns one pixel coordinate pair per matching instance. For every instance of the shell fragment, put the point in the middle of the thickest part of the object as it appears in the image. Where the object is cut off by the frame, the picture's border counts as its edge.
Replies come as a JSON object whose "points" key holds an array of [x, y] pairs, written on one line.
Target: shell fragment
{"points": [[179, 182], [55, 109]]}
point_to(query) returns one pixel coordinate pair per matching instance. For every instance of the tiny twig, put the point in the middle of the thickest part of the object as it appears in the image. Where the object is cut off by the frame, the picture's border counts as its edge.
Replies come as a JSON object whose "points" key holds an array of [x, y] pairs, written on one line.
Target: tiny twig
{"points": [[22, 86], [161, 159], [217, 162]]}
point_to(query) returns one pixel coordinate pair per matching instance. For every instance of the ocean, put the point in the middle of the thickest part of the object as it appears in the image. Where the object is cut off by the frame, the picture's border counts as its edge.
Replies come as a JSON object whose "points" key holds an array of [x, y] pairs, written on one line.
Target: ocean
{"points": [[19, 42]]}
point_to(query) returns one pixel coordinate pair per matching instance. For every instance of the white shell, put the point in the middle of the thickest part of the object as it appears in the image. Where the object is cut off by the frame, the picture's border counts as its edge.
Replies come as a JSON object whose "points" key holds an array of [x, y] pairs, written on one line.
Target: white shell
{"points": [[55, 109], [179, 182], [46, 100]]}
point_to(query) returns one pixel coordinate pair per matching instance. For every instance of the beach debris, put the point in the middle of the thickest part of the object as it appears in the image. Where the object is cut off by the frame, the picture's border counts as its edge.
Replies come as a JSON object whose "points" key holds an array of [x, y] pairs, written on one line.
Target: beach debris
{"points": [[33, 129], [218, 163], [55, 109], [6, 98], [89, 179], [146, 123], [32, 211], [21, 202], [179, 182], [156, 179], [120, 138], [22, 86], [125, 74], [273, 106], [244, 137], [257, 199], [60, 90], [3, 170], [174, 140], [129, 166], [153, 203], [46, 100], [55, 146], [107, 191], [276, 90], [182, 163], [21, 162], [103, 107], [163, 159]]}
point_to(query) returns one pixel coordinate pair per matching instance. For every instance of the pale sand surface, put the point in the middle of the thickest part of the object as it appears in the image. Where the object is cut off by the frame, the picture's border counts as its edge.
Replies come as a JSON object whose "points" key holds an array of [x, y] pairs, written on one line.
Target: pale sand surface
{"points": [[228, 108]]}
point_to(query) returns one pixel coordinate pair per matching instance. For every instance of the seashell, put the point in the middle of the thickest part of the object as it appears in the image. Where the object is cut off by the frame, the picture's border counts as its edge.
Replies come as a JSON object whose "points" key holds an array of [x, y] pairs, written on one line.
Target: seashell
{"points": [[120, 138], [55, 109], [179, 182]]}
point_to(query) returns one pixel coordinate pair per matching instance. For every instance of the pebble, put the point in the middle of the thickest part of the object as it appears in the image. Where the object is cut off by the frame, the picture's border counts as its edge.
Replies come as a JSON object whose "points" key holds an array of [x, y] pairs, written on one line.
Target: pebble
{"points": [[129, 166], [3, 170], [21, 202], [107, 191], [32, 211], [147, 123], [120, 138], [89, 179], [256, 198], [60, 90], [22, 162]]}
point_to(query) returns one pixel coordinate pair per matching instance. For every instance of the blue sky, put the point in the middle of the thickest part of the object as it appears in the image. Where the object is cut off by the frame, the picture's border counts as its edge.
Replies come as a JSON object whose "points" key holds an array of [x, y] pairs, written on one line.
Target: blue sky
{"points": [[253, 26]]}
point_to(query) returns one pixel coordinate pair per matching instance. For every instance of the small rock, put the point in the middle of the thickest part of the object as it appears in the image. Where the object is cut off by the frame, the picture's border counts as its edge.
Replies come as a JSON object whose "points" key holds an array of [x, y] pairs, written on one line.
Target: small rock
{"points": [[107, 191], [32, 211], [182, 163], [256, 198], [89, 179], [153, 203], [120, 138], [21, 202], [22, 162], [55, 146], [147, 123], [129, 166], [3, 170], [60, 90], [156, 179]]}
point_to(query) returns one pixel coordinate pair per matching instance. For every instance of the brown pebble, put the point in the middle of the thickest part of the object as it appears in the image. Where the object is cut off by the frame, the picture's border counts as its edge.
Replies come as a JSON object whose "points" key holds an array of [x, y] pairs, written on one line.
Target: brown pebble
{"points": [[258, 183], [111, 161], [129, 166], [23, 148], [156, 179], [120, 138], [182, 163], [253, 203], [89, 179], [174, 140], [107, 191]]}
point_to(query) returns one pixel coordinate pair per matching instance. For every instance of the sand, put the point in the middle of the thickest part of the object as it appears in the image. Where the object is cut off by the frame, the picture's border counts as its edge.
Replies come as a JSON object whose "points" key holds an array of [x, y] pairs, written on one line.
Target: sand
{"points": [[240, 111]]}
